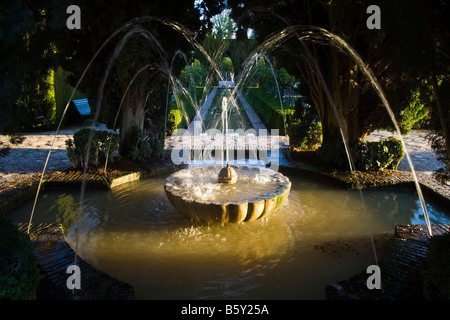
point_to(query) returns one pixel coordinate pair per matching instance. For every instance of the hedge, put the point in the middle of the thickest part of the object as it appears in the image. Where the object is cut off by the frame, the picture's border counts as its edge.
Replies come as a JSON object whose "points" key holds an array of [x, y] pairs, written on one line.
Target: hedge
{"points": [[176, 116], [99, 144], [366, 155], [268, 108]]}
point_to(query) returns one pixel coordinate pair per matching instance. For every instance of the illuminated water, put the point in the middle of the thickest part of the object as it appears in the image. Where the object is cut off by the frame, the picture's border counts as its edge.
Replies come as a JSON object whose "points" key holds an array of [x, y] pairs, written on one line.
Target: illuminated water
{"points": [[200, 183], [319, 237]]}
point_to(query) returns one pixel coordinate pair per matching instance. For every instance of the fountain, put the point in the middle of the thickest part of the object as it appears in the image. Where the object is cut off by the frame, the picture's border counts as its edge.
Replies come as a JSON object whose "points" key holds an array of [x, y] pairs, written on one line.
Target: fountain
{"points": [[230, 194], [199, 194], [157, 245]]}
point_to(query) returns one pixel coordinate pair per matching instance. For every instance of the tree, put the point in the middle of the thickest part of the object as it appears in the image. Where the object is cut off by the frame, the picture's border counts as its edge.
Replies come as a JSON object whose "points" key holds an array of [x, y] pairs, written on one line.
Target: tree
{"points": [[438, 27], [335, 82], [27, 95], [221, 45], [239, 50], [138, 57], [420, 72], [223, 26], [14, 25]]}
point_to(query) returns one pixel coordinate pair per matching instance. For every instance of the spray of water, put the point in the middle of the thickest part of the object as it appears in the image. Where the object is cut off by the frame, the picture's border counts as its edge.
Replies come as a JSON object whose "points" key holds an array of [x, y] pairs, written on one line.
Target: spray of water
{"points": [[324, 37], [302, 33], [177, 53], [124, 27], [248, 68], [131, 28], [338, 42], [148, 66]]}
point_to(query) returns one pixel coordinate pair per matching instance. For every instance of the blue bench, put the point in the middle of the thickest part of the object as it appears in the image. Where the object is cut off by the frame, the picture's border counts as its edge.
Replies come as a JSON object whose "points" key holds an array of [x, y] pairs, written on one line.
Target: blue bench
{"points": [[82, 106]]}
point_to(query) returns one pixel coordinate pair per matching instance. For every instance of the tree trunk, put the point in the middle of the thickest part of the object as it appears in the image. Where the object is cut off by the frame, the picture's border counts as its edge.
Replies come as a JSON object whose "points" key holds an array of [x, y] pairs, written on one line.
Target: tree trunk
{"points": [[342, 78], [132, 117]]}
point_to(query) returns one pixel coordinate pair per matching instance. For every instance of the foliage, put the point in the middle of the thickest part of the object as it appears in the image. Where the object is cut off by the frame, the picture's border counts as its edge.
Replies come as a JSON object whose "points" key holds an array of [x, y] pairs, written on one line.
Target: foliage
{"points": [[35, 109], [15, 22], [18, 270], [187, 104], [378, 155], [305, 131], [91, 147], [437, 277], [268, 108], [227, 65], [141, 145], [239, 50], [411, 101], [410, 44], [63, 91], [366, 155], [26, 68], [194, 75], [415, 112], [223, 27], [144, 48], [332, 154], [270, 79], [173, 121], [136, 146]]}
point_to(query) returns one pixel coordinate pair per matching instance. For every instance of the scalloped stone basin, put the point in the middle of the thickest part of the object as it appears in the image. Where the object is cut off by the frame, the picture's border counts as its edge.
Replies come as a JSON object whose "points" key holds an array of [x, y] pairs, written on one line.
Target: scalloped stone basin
{"points": [[196, 193]]}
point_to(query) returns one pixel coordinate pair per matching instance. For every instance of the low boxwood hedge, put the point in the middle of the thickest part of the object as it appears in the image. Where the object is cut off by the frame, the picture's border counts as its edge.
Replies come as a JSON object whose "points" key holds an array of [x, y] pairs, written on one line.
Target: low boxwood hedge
{"points": [[268, 109]]}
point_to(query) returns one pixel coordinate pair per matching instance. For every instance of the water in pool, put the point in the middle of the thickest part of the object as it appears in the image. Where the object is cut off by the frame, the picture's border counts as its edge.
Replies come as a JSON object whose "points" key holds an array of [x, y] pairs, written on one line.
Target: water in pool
{"points": [[320, 236]]}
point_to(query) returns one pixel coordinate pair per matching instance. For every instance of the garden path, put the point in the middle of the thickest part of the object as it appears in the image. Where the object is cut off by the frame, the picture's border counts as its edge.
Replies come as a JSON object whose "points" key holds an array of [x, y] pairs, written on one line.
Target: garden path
{"points": [[27, 159], [424, 160]]}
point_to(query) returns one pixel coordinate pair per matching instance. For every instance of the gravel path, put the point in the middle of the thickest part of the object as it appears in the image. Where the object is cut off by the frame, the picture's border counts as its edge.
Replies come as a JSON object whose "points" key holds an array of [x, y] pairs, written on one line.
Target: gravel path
{"points": [[26, 161], [422, 156]]}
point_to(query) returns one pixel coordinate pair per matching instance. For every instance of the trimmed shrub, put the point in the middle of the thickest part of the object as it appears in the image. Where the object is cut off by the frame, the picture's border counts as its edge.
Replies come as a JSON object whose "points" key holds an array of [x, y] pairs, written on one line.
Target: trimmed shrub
{"points": [[19, 274], [183, 108], [366, 155], [305, 132], [268, 108], [90, 147], [142, 145], [378, 155], [173, 121]]}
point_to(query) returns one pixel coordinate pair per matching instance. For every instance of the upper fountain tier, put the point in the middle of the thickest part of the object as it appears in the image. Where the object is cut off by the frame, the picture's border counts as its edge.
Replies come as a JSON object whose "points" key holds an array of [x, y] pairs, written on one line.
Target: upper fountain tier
{"points": [[196, 193]]}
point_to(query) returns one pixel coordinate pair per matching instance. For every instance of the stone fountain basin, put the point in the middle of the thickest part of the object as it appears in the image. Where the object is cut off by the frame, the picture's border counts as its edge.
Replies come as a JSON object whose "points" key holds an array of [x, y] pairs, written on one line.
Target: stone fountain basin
{"points": [[257, 193]]}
